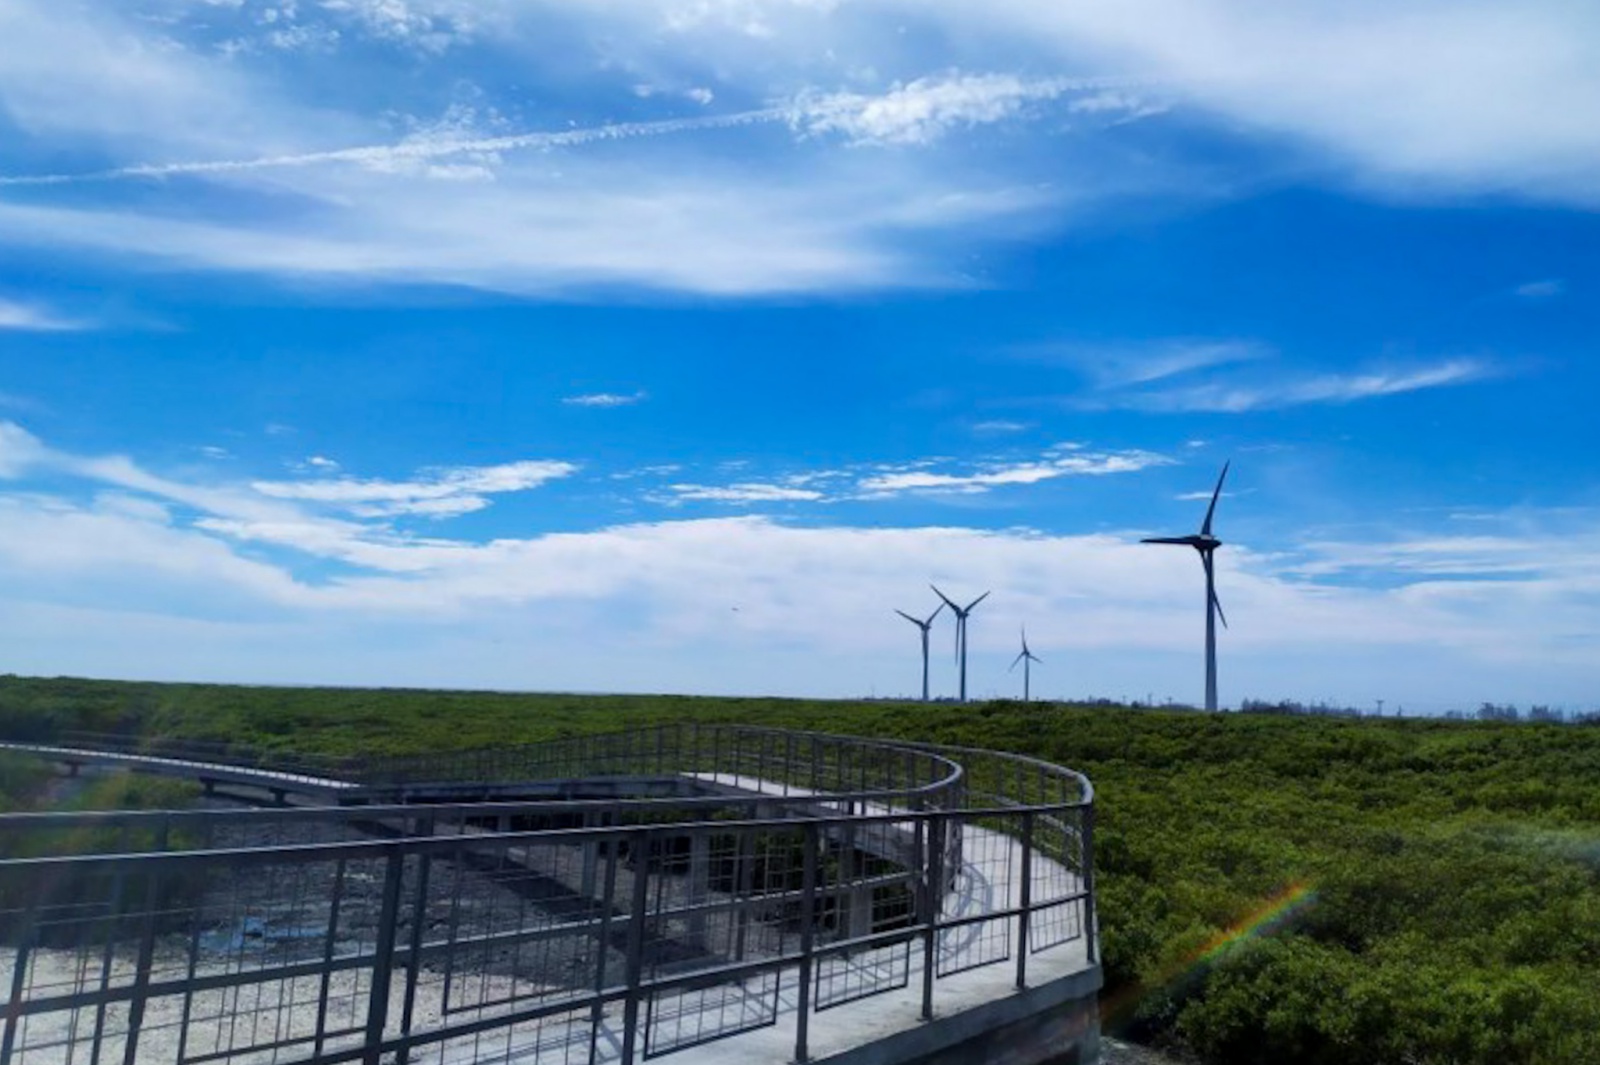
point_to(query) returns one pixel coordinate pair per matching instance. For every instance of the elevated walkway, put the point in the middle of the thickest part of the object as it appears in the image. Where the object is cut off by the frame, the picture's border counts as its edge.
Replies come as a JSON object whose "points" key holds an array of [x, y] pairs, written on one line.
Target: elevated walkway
{"points": [[725, 893]]}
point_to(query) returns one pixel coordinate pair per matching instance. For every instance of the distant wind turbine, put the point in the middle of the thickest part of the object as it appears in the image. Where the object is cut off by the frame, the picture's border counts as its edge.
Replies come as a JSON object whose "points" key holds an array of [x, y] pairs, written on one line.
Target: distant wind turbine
{"points": [[1027, 658], [1206, 544], [924, 626], [961, 631]]}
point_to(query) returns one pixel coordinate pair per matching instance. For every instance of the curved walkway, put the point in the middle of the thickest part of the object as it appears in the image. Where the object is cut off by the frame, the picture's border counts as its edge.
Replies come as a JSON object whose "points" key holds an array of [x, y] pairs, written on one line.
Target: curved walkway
{"points": [[898, 906]]}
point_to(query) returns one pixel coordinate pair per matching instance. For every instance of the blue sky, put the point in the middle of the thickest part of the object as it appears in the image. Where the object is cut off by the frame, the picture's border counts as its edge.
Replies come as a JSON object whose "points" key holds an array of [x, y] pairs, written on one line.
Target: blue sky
{"points": [[671, 346]]}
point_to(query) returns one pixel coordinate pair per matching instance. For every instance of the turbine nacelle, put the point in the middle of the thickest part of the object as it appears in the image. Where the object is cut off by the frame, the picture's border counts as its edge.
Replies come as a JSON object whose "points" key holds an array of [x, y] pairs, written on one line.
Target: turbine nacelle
{"points": [[1199, 541]]}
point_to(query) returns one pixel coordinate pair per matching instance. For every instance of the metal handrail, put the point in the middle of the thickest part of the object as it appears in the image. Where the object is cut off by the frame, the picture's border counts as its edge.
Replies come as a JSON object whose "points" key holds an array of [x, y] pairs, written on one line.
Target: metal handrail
{"points": [[925, 816]]}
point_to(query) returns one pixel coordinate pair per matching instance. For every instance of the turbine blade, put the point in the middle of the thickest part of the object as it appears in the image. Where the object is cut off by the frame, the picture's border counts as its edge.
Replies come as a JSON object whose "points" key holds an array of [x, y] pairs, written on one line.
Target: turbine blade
{"points": [[908, 617], [1165, 540], [948, 601], [1205, 529], [975, 602], [933, 615], [1015, 660], [1218, 604]]}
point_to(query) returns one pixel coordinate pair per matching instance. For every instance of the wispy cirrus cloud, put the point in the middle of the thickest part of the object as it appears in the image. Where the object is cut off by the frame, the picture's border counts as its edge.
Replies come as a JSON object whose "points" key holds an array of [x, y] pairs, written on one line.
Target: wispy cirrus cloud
{"points": [[1125, 365], [921, 111], [440, 493], [999, 427], [1548, 288], [1064, 461], [30, 317], [1234, 375], [915, 113], [743, 492], [927, 477], [605, 399], [1293, 390]]}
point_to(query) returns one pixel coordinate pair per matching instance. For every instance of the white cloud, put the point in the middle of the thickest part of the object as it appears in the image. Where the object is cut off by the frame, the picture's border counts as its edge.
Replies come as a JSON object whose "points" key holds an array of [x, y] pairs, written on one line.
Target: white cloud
{"points": [[1113, 366], [885, 480], [1471, 95], [1226, 397], [1069, 464], [25, 316], [1542, 290], [747, 492], [542, 232], [1469, 556], [999, 426], [1471, 617], [443, 493], [306, 181], [20, 450], [925, 109], [429, 27], [605, 399]]}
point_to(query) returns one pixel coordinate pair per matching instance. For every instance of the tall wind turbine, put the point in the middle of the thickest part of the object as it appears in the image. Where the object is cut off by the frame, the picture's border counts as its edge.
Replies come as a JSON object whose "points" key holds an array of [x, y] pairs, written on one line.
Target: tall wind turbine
{"points": [[1206, 544], [1027, 658], [961, 613], [924, 626]]}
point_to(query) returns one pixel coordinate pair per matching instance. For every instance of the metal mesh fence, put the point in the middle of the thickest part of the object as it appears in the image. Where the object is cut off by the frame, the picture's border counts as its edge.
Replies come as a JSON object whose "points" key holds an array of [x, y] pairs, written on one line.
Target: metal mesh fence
{"points": [[782, 875]]}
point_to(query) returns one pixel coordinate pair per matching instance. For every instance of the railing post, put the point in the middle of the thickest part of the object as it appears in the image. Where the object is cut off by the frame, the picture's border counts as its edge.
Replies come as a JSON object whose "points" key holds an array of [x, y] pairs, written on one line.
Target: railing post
{"points": [[1026, 900], [383, 956], [931, 845], [324, 985], [141, 978], [19, 980], [116, 909], [788, 760], [607, 905], [640, 846], [808, 940], [1090, 924], [419, 922]]}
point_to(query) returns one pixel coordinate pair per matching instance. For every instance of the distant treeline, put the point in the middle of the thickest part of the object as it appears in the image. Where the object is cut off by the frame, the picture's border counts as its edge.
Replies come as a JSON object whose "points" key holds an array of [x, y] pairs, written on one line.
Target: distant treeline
{"points": [[1485, 712]]}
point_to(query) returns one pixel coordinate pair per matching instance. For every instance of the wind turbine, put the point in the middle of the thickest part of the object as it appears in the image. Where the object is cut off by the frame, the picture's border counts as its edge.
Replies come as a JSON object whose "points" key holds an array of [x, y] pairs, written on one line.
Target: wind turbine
{"points": [[1027, 658], [1206, 544], [924, 626], [961, 631]]}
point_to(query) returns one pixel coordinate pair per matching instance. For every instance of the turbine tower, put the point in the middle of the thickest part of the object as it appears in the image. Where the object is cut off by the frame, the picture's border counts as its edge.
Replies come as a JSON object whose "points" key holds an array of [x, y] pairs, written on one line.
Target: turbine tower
{"points": [[961, 631], [1206, 544], [1027, 658], [924, 626]]}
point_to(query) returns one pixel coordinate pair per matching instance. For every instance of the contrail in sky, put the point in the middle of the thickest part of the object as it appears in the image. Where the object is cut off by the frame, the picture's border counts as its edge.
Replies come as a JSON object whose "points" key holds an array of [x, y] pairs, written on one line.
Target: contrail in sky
{"points": [[928, 102], [419, 149]]}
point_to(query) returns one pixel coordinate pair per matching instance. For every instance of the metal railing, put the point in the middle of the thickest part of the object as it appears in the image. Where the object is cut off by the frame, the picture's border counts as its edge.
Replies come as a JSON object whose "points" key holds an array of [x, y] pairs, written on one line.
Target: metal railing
{"points": [[808, 872]]}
